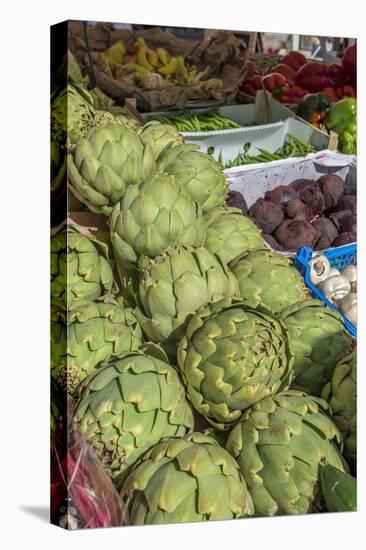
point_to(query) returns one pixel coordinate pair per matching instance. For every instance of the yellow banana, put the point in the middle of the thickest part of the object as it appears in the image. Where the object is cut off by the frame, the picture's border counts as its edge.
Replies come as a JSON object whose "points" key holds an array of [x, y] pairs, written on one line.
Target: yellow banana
{"points": [[171, 68], [152, 57], [162, 55], [133, 67], [141, 41], [142, 59], [116, 52]]}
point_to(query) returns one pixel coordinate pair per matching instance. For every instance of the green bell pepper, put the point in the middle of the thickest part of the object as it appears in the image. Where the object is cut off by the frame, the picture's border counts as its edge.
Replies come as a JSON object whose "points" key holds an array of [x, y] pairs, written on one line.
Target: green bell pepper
{"points": [[313, 104], [342, 118]]}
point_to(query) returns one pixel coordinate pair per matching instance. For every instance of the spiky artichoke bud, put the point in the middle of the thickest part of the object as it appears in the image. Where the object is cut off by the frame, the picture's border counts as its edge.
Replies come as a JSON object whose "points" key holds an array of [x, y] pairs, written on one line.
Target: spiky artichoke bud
{"points": [[231, 357], [341, 394], [87, 334], [186, 479], [159, 136], [152, 216], [72, 115], [175, 285], [129, 405], [268, 278], [116, 117], [318, 340], [230, 234], [279, 445], [103, 164], [79, 268], [198, 172]]}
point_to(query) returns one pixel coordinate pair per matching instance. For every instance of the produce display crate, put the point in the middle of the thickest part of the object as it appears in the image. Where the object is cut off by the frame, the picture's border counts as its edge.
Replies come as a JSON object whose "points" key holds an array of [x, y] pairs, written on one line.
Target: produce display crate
{"points": [[338, 258], [264, 124]]}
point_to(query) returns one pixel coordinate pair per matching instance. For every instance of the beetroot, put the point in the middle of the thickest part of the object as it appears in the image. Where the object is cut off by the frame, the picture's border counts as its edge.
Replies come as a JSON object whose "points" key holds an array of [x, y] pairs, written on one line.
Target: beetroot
{"points": [[347, 202], [281, 195], [266, 215], [314, 199], [298, 210], [327, 230], [293, 234], [271, 241], [236, 200], [344, 238], [332, 187], [345, 220], [301, 184]]}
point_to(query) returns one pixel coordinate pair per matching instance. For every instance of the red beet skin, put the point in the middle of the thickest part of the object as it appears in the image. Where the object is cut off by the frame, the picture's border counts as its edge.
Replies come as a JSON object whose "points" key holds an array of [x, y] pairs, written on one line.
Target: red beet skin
{"points": [[281, 195], [344, 238], [347, 202], [236, 200], [293, 234], [327, 231], [332, 187], [266, 215], [272, 242], [297, 210]]}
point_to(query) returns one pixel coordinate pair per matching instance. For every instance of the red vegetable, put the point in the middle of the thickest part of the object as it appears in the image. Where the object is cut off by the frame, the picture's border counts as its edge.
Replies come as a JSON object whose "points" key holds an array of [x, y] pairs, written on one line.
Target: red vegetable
{"points": [[236, 200], [332, 187], [344, 238], [286, 71], [328, 232], [295, 60], [293, 234], [349, 62], [266, 215], [271, 241], [313, 77], [274, 83], [281, 195], [331, 93], [347, 202], [297, 210]]}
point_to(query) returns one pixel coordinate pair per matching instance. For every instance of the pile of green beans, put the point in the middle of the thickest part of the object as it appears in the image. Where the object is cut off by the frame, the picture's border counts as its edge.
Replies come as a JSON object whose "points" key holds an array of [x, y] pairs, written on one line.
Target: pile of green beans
{"points": [[293, 147], [204, 122]]}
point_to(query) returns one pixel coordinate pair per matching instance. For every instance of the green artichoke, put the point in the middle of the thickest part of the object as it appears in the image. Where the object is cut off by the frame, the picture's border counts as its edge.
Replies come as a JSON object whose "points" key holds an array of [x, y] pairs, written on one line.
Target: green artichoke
{"points": [[160, 136], [72, 115], [114, 116], [129, 405], [230, 234], [268, 278], [231, 357], [175, 285], [279, 445], [341, 394], [79, 268], [88, 333], [318, 341], [105, 163], [198, 172], [58, 166], [152, 216], [187, 479]]}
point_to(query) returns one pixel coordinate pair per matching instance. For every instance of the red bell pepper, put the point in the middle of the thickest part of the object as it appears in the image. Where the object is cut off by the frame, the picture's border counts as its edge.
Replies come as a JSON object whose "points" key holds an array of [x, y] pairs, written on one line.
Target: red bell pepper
{"points": [[331, 93], [349, 62], [295, 60], [288, 72], [274, 83], [292, 94], [346, 91], [313, 77]]}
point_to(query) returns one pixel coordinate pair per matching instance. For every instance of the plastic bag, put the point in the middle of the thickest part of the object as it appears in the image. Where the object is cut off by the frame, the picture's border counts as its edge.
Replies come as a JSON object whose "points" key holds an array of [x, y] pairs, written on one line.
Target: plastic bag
{"points": [[82, 494]]}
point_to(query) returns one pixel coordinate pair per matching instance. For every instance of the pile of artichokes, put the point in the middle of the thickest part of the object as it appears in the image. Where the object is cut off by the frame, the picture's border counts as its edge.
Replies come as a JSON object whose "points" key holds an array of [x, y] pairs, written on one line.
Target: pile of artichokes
{"points": [[204, 377]]}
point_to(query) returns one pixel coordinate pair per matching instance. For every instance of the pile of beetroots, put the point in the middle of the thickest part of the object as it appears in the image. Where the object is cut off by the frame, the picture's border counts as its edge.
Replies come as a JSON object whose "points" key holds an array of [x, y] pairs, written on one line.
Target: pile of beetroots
{"points": [[317, 213]]}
